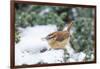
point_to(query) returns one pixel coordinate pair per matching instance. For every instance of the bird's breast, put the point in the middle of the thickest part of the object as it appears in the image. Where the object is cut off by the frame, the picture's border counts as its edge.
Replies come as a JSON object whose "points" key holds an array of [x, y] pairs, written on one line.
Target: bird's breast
{"points": [[57, 44]]}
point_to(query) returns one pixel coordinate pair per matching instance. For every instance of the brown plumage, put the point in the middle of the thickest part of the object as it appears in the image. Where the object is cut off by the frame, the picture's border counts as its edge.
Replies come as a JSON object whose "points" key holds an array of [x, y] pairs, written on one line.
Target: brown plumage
{"points": [[59, 39]]}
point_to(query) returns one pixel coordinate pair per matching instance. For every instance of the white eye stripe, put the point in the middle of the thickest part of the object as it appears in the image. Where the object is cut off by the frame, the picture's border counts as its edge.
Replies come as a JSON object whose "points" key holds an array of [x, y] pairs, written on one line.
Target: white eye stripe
{"points": [[51, 36]]}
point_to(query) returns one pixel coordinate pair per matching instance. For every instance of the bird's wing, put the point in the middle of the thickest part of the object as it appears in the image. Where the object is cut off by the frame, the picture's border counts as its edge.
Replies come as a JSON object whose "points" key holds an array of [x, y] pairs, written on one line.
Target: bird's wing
{"points": [[60, 36], [50, 36]]}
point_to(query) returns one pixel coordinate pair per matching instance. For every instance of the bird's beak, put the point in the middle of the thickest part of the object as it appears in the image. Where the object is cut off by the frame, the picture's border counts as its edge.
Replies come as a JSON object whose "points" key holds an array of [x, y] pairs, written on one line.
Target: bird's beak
{"points": [[43, 39]]}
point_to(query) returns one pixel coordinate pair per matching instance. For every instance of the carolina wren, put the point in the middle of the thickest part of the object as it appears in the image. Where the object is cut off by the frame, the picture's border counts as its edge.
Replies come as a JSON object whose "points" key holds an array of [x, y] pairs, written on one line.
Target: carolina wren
{"points": [[59, 39]]}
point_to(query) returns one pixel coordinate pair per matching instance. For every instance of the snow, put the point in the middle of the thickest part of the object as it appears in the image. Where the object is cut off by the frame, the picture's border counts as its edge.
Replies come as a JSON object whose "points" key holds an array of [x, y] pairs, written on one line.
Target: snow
{"points": [[53, 56], [33, 50], [77, 57]]}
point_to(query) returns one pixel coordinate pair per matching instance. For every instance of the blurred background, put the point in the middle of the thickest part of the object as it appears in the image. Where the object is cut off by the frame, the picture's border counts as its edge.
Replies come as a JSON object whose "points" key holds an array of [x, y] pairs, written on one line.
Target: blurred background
{"points": [[82, 38]]}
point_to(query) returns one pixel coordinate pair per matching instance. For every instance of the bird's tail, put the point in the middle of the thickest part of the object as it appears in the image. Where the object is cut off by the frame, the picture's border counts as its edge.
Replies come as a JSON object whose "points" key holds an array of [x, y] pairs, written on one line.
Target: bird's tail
{"points": [[69, 26]]}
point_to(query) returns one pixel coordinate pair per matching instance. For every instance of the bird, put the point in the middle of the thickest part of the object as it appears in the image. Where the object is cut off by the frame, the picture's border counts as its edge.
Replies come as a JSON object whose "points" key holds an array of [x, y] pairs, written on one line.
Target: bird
{"points": [[59, 39]]}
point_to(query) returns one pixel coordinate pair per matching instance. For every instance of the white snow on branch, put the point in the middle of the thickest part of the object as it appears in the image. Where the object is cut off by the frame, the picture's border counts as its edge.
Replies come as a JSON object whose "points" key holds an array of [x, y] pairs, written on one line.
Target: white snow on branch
{"points": [[33, 50]]}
